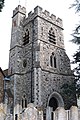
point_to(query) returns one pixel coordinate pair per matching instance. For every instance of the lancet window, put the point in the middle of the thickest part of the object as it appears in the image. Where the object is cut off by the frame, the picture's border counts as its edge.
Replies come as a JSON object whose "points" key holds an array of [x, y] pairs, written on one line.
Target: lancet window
{"points": [[53, 60], [24, 102]]}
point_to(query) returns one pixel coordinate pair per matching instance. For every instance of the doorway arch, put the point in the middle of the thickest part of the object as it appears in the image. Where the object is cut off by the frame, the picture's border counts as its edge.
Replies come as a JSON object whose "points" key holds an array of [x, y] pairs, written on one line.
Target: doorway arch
{"points": [[55, 100], [53, 103]]}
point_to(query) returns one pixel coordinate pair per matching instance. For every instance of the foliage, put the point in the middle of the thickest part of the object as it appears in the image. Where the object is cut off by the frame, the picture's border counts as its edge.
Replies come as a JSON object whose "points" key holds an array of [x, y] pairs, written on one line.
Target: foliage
{"points": [[76, 4], [1, 4], [69, 94], [77, 79], [76, 35], [76, 40], [68, 89]]}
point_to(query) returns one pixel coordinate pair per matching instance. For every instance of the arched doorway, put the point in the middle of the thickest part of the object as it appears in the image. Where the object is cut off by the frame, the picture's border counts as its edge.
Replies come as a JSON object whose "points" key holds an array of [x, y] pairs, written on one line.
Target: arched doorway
{"points": [[53, 103], [55, 100]]}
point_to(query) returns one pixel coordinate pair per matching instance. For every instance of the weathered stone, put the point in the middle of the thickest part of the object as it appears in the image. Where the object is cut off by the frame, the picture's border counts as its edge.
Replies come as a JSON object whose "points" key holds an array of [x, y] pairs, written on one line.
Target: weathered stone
{"points": [[30, 113], [47, 65], [60, 114], [74, 113]]}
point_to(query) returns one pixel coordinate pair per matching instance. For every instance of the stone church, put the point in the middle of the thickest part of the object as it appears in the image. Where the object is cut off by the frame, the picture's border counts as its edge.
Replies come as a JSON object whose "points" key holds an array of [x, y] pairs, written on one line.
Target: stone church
{"points": [[39, 67]]}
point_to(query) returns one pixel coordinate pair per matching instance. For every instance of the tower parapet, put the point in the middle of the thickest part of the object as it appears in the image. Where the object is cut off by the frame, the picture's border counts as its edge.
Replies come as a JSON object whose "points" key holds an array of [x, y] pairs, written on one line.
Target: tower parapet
{"points": [[38, 11], [19, 9]]}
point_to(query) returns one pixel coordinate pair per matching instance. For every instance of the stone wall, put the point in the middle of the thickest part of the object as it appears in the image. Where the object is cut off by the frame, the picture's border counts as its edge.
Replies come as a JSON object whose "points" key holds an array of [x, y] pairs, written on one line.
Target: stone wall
{"points": [[2, 84], [1, 87]]}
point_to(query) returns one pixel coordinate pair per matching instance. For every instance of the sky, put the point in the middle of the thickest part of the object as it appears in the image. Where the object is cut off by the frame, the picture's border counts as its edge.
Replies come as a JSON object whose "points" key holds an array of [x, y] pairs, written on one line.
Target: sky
{"points": [[60, 8]]}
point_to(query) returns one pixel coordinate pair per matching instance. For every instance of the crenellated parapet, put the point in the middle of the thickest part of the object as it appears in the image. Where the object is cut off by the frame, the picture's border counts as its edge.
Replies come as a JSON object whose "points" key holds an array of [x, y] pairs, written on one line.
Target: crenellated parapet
{"points": [[38, 11], [19, 9]]}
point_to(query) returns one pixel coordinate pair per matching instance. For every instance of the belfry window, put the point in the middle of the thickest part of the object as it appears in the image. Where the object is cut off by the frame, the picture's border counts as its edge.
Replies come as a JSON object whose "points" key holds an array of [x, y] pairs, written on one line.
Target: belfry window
{"points": [[24, 102], [26, 37], [51, 36], [53, 61]]}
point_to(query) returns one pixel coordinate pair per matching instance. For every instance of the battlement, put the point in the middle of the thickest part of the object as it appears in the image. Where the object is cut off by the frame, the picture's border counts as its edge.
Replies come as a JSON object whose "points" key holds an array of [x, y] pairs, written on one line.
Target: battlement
{"points": [[20, 10], [38, 11]]}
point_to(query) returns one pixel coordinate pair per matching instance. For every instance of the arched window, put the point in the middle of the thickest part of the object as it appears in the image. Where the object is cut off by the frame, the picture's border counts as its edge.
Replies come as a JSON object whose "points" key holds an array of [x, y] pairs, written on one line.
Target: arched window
{"points": [[52, 36], [24, 102], [53, 61], [26, 37]]}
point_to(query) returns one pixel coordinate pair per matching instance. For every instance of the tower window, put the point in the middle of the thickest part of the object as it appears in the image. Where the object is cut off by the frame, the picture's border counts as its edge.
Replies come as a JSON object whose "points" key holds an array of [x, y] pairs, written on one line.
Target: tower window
{"points": [[24, 63], [24, 102], [53, 60], [41, 30], [60, 38], [26, 37], [51, 36]]}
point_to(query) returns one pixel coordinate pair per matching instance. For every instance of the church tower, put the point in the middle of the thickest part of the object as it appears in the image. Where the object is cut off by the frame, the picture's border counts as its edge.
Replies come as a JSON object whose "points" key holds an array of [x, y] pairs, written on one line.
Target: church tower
{"points": [[38, 64], [16, 47]]}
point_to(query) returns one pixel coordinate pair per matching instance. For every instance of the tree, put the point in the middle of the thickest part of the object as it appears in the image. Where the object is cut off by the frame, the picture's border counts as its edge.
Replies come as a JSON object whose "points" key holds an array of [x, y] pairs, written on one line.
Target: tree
{"points": [[76, 56], [1, 4], [68, 92]]}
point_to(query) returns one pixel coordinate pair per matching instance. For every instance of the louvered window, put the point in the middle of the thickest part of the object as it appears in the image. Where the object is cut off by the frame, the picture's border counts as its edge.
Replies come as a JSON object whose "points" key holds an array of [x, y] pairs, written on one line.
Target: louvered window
{"points": [[26, 37], [51, 36]]}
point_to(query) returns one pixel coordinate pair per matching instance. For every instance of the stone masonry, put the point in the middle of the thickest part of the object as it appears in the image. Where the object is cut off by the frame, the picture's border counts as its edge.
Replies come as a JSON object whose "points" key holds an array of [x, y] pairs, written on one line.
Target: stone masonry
{"points": [[1, 87], [38, 64]]}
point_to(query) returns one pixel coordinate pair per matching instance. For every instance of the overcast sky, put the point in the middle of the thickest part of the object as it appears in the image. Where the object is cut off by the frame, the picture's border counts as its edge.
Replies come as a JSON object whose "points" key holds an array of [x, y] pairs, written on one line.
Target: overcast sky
{"points": [[60, 8]]}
